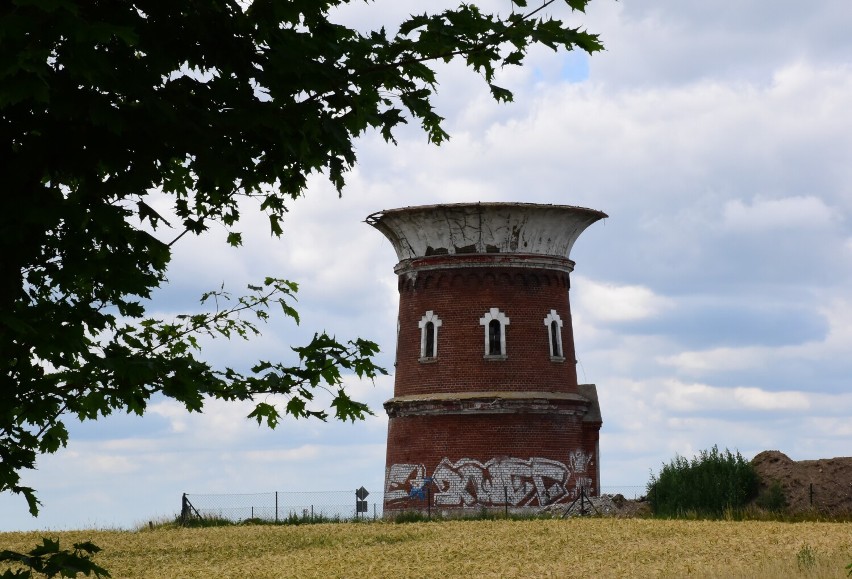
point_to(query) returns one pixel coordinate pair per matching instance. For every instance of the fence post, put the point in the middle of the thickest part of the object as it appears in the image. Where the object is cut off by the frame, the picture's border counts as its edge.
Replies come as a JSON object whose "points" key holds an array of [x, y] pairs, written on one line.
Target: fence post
{"points": [[506, 501], [312, 513], [184, 509], [276, 506]]}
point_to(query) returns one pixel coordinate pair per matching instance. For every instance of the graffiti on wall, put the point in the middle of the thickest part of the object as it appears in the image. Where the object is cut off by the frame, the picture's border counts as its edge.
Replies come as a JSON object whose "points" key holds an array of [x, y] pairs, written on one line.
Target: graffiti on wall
{"points": [[579, 462], [499, 481], [402, 479]]}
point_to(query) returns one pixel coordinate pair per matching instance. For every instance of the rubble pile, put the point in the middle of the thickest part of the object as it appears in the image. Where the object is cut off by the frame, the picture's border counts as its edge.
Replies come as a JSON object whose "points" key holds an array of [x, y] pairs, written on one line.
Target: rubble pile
{"points": [[604, 506]]}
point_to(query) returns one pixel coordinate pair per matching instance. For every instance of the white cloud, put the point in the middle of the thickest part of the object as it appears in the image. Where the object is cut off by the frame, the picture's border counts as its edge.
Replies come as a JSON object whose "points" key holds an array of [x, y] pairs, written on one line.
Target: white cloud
{"points": [[757, 399], [109, 464], [834, 347], [696, 397], [797, 213], [617, 303], [669, 42], [173, 412], [717, 359], [834, 428], [285, 455]]}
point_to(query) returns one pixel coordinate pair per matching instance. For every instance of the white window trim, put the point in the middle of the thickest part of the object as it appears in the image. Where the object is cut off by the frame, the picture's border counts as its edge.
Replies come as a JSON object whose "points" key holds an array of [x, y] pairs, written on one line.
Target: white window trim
{"points": [[548, 320], [429, 316], [495, 314]]}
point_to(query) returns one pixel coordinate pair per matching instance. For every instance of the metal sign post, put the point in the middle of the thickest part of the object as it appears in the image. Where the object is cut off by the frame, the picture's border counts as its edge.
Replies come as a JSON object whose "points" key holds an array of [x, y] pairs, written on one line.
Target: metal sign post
{"points": [[361, 500]]}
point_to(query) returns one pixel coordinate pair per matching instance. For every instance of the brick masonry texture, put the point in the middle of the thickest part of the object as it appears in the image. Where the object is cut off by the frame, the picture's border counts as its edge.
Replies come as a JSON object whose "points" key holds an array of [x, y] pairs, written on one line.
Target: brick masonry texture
{"points": [[460, 297], [534, 459], [469, 459]]}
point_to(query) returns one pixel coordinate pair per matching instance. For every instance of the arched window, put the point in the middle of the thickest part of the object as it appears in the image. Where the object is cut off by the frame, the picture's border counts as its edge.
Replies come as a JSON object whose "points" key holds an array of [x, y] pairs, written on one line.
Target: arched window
{"points": [[429, 350], [553, 323], [555, 345], [494, 323], [429, 325], [495, 344]]}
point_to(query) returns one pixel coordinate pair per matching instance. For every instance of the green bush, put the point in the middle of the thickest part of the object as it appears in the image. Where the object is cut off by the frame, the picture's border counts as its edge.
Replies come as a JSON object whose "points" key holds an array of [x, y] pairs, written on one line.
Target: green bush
{"points": [[707, 486], [205, 521], [806, 558], [412, 517], [772, 499]]}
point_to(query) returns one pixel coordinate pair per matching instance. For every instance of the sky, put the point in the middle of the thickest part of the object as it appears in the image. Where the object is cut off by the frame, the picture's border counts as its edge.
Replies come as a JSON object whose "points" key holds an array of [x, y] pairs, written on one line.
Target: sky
{"points": [[712, 307]]}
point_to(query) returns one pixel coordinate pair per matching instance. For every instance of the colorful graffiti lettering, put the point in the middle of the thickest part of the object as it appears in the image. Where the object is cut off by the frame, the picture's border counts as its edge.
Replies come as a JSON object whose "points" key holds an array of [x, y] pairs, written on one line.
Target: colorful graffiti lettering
{"points": [[499, 481], [401, 479]]}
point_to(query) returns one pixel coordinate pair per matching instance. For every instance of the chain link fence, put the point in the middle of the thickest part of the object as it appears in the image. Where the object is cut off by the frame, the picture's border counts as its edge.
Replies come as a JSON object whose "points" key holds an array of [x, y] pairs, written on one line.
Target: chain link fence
{"points": [[633, 493], [278, 506], [308, 506]]}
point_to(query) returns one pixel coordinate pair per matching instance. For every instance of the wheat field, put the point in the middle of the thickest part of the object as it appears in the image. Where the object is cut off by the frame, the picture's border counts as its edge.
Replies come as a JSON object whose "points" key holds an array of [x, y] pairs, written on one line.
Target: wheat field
{"points": [[595, 547]]}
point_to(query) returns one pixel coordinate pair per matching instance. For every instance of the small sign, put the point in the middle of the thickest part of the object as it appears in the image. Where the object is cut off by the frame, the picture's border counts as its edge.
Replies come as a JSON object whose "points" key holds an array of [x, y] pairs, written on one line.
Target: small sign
{"points": [[362, 494], [360, 506]]}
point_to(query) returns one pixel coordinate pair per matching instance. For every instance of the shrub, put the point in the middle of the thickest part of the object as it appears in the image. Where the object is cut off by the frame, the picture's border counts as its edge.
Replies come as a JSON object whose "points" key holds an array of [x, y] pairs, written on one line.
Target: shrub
{"points": [[805, 558], [411, 517], [707, 486], [772, 499], [204, 521]]}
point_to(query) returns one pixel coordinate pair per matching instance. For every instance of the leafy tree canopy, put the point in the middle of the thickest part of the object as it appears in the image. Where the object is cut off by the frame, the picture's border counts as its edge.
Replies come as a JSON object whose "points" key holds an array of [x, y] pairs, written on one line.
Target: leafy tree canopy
{"points": [[216, 104]]}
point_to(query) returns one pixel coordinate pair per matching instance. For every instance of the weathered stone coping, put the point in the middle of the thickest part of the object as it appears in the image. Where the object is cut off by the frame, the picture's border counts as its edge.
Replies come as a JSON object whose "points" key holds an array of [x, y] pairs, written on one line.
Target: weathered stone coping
{"points": [[495, 402], [488, 260]]}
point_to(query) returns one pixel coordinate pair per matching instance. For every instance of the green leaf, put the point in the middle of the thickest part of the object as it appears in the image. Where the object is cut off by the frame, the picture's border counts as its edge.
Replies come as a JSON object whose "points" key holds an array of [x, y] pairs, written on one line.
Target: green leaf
{"points": [[235, 239], [578, 5], [275, 225], [265, 412], [413, 23], [500, 94]]}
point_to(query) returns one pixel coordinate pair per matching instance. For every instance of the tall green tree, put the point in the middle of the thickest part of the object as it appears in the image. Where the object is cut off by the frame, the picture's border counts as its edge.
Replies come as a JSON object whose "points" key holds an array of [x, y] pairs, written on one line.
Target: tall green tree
{"points": [[217, 104]]}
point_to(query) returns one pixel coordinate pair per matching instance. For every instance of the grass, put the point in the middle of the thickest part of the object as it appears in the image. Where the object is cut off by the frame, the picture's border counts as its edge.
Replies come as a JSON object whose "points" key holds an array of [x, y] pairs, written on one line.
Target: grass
{"points": [[470, 515], [505, 548], [218, 521], [755, 513]]}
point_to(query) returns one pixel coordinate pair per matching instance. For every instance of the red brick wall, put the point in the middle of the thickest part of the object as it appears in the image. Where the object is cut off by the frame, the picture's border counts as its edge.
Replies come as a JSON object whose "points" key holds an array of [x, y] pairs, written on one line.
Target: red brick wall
{"points": [[537, 458], [480, 459], [460, 297]]}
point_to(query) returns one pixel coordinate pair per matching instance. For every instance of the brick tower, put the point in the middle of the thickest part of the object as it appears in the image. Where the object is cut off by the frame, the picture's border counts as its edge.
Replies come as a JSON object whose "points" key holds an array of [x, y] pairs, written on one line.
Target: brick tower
{"points": [[487, 411]]}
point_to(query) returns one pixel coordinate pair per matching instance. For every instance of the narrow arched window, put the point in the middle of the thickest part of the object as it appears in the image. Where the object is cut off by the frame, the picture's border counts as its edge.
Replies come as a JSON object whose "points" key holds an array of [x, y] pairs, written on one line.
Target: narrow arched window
{"points": [[430, 340], [553, 323], [555, 346], [494, 323], [429, 325], [495, 347]]}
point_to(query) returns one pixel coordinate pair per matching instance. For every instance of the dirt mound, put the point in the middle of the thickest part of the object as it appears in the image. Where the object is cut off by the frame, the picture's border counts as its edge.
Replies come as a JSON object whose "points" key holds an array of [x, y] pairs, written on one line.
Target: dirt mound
{"points": [[824, 485]]}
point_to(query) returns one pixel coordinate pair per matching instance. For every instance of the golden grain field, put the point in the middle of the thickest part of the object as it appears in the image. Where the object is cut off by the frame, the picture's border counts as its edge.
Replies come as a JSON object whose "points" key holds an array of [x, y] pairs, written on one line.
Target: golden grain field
{"points": [[537, 548]]}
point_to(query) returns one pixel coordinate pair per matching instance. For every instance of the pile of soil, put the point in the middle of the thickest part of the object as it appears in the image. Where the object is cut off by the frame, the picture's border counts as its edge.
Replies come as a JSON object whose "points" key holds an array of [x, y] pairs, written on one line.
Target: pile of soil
{"points": [[824, 485]]}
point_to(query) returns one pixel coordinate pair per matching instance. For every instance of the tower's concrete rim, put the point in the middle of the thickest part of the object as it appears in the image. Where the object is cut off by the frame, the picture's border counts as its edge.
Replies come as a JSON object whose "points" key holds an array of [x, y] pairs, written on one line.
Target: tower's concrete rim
{"points": [[507, 261], [484, 204], [483, 228]]}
